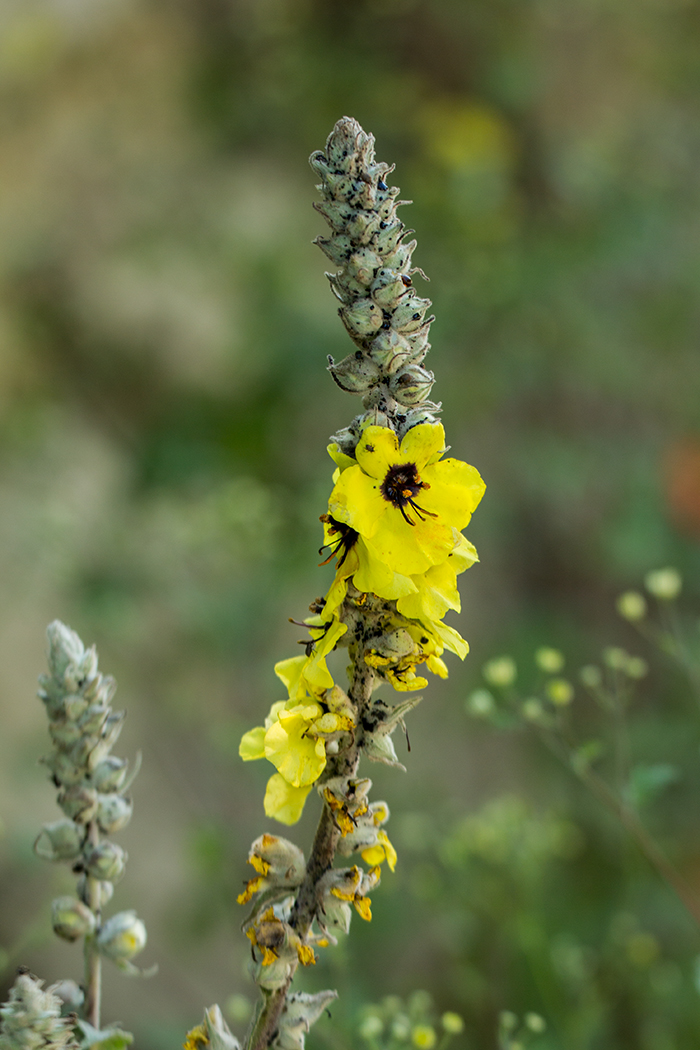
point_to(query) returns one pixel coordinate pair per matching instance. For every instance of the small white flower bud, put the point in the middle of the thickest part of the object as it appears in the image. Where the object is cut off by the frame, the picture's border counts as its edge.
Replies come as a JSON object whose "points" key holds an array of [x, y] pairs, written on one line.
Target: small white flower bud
{"points": [[71, 919], [500, 672], [664, 584], [122, 937], [106, 862], [549, 660], [632, 606], [480, 703], [65, 648], [59, 841]]}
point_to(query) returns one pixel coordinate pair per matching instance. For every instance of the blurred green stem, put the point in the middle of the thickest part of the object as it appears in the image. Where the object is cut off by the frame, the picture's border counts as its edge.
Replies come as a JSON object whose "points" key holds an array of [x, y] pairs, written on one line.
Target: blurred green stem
{"points": [[629, 819], [93, 962]]}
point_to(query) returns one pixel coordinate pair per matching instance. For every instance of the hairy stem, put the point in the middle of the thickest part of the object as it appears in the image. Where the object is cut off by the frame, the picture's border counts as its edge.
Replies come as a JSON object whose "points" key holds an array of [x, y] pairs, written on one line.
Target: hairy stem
{"points": [[93, 961], [264, 1024]]}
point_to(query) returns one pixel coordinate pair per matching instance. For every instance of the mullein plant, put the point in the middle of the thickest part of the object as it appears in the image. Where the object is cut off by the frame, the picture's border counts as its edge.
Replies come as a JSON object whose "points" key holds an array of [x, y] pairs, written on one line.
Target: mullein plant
{"points": [[92, 786], [393, 533]]}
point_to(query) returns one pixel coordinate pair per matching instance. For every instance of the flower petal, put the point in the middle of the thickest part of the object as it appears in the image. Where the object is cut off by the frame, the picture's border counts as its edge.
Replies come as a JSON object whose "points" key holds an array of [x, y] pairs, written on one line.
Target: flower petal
{"points": [[377, 450], [422, 443], [455, 491], [252, 744], [357, 500], [284, 802]]}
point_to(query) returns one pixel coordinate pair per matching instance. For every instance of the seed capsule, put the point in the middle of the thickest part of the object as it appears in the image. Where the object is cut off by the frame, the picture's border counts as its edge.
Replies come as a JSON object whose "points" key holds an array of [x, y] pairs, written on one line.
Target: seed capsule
{"points": [[122, 937], [113, 813], [106, 861], [61, 840]]}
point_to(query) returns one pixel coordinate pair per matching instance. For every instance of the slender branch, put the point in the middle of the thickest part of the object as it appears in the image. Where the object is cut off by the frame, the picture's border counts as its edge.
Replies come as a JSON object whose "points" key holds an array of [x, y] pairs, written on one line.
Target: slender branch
{"points": [[632, 824], [93, 960]]}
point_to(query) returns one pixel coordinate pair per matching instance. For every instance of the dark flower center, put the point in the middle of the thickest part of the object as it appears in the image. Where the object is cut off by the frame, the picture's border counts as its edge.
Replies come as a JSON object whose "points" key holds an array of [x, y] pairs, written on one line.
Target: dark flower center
{"points": [[343, 539], [400, 487]]}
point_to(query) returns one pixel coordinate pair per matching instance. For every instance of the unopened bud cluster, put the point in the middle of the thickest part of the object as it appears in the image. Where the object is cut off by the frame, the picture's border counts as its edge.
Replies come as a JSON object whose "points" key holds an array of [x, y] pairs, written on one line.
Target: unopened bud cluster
{"points": [[31, 1018], [381, 310], [92, 792]]}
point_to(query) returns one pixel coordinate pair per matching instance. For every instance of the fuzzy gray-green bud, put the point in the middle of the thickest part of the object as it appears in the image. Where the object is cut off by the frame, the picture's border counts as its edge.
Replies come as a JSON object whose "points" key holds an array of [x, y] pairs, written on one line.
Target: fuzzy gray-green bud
{"points": [[61, 840], [381, 311], [31, 1018], [122, 937], [107, 861], [71, 919], [113, 813]]}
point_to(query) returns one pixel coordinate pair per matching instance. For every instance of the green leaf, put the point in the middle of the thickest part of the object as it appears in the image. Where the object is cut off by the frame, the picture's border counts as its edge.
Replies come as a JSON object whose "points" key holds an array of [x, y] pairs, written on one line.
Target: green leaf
{"points": [[647, 782], [106, 1039]]}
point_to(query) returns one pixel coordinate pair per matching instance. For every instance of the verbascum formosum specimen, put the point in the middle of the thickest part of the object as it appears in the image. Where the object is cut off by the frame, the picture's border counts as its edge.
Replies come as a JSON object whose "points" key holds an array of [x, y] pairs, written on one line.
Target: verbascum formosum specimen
{"points": [[393, 530]]}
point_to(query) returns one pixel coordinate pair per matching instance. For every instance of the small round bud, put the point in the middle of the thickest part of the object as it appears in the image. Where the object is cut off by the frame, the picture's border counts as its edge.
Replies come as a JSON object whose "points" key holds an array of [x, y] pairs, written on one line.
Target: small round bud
{"points": [[549, 660], [560, 691], [590, 676], [424, 1037], [113, 813], [122, 936], [480, 703], [106, 862], [60, 841], [535, 1023], [507, 1020], [664, 584], [78, 802], [533, 709], [615, 658], [71, 919], [71, 995], [632, 606], [110, 773], [371, 1027], [636, 667], [500, 672], [106, 890], [452, 1023]]}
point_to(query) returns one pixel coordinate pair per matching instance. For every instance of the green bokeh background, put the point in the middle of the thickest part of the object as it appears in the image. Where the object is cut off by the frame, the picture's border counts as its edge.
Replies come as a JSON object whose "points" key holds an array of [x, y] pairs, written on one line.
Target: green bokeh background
{"points": [[164, 410]]}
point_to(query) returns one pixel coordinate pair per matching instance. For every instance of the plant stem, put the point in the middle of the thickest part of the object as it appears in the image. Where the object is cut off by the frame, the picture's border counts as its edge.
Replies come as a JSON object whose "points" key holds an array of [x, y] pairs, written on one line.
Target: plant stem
{"points": [[264, 1024], [632, 824], [93, 960]]}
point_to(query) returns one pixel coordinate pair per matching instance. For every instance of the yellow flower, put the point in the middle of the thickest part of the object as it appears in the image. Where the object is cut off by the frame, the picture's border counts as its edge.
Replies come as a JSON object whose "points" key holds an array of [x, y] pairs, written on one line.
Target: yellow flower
{"points": [[284, 802], [436, 590], [196, 1038], [292, 747], [403, 499], [382, 851], [357, 560]]}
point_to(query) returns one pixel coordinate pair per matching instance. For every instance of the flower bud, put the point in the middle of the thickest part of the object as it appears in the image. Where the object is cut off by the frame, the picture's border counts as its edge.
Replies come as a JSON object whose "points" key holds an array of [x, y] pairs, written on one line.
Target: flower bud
{"points": [[362, 318], [65, 648], [93, 719], [632, 606], [390, 351], [64, 768], [501, 671], [664, 584], [64, 733], [122, 937], [549, 660], [218, 1032], [301, 1010], [32, 1018], [78, 802], [113, 812], [412, 385], [408, 315], [70, 994], [59, 841], [387, 288], [106, 891], [71, 919], [356, 374], [106, 861], [110, 773]]}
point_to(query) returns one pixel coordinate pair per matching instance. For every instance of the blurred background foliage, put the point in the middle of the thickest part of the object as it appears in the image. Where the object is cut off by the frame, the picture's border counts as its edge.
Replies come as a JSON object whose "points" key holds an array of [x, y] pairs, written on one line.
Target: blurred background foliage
{"points": [[164, 411]]}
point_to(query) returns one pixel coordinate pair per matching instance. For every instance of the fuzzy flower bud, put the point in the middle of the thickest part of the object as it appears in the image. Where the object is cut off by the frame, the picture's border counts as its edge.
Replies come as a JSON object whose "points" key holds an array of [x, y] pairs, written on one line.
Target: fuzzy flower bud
{"points": [[277, 861], [113, 813], [122, 937], [300, 1011], [31, 1018], [71, 919], [106, 861], [61, 840]]}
